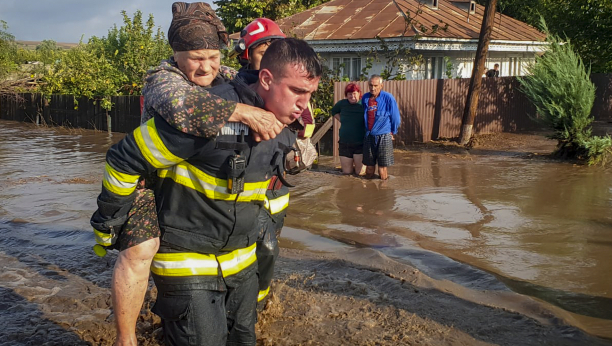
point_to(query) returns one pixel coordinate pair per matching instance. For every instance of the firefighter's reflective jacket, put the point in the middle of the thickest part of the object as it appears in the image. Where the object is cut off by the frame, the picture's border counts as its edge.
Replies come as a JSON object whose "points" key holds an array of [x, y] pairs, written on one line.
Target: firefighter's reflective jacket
{"points": [[207, 229]]}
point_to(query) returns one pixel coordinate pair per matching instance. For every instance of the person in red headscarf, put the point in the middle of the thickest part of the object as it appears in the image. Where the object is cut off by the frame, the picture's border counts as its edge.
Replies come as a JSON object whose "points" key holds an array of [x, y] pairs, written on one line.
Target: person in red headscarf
{"points": [[352, 131]]}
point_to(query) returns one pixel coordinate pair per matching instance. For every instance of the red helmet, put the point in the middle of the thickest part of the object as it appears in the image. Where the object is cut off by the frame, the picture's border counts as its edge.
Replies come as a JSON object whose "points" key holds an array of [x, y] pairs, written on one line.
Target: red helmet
{"points": [[258, 31]]}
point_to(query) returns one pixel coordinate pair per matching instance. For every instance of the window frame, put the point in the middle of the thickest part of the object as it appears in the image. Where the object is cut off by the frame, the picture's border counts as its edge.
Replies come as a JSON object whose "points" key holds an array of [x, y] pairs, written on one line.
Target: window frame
{"points": [[354, 72]]}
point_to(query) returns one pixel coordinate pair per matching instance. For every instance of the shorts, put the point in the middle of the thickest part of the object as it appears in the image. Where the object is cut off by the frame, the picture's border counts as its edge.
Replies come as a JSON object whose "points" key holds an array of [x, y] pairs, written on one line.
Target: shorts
{"points": [[350, 149], [378, 150], [142, 223]]}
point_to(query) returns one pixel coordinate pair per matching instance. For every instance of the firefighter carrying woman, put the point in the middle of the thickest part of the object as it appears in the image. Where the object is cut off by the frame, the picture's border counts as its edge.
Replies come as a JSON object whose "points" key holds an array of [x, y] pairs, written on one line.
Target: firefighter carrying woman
{"points": [[217, 195]]}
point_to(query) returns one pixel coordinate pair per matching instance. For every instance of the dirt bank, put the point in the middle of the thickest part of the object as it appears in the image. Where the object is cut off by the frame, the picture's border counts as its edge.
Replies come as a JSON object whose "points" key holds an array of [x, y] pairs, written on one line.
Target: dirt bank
{"points": [[357, 297]]}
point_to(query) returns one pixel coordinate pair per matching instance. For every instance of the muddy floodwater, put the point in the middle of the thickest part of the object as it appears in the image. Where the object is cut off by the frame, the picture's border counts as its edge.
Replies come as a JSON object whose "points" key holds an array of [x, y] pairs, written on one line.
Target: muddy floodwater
{"points": [[487, 220]]}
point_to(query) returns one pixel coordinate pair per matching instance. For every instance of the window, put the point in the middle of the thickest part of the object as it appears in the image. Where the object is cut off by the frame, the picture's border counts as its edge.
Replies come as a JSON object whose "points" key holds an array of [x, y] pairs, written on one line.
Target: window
{"points": [[434, 4], [348, 67], [434, 68], [472, 7]]}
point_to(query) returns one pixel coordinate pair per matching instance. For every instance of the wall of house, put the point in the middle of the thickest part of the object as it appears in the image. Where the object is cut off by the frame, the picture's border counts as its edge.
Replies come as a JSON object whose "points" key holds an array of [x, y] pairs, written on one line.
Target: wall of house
{"points": [[436, 64]]}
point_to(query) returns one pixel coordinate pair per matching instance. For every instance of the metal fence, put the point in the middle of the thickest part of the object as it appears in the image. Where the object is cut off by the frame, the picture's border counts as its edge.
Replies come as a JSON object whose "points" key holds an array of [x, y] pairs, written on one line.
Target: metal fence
{"points": [[432, 109]]}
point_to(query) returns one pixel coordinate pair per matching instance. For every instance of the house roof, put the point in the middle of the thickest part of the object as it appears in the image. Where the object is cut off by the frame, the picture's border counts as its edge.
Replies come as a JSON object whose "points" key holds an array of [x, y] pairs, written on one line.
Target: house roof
{"points": [[367, 19]]}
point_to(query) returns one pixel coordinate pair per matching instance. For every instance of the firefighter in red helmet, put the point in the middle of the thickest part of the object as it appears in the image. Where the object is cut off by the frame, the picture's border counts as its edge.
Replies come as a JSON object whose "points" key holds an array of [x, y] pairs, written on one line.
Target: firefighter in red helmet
{"points": [[253, 43], [254, 40]]}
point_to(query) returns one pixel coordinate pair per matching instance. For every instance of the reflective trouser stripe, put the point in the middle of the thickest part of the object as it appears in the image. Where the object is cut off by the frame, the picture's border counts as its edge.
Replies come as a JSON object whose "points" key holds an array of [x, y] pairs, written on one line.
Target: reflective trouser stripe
{"points": [[119, 183], [237, 260], [152, 147], [192, 264], [277, 205], [104, 239], [214, 188], [262, 294]]}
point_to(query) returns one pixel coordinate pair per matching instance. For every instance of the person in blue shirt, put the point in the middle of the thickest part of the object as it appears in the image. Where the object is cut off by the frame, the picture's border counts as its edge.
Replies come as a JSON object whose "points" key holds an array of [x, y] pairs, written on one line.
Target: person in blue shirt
{"points": [[382, 119]]}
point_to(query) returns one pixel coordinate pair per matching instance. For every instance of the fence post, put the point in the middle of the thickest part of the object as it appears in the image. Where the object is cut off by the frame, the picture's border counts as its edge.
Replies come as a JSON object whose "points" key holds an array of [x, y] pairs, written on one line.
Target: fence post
{"points": [[39, 108], [108, 122]]}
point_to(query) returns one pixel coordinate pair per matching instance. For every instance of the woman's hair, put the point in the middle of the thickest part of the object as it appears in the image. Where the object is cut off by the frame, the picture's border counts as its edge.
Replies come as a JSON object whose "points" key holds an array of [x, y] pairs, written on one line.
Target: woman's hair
{"points": [[351, 87]]}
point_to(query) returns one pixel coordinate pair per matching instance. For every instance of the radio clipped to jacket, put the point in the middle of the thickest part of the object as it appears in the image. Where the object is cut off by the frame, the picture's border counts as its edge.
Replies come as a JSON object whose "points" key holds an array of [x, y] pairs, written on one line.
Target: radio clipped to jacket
{"points": [[235, 183]]}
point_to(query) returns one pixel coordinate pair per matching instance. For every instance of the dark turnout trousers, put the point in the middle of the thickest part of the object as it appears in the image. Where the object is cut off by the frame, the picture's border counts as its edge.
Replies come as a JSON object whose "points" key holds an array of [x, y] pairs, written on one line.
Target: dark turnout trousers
{"points": [[202, 317]]}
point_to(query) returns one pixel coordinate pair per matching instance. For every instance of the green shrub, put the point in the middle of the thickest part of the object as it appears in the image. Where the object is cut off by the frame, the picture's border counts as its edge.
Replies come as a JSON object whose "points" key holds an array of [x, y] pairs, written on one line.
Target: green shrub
{"points": [[559, 86]]}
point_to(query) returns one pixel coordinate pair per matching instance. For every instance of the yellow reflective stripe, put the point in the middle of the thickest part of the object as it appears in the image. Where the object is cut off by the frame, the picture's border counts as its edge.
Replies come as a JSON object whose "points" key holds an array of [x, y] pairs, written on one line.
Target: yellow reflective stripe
{"points": [[237, 260], [119, 183], [262, 294], [152, 147], [184, 264], [102, 238], [213, 188], [191, 263], [277, 205], [308, 130]]}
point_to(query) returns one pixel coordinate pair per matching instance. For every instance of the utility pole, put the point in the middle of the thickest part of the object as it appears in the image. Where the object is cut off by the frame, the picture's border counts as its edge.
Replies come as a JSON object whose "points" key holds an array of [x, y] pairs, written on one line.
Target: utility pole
{"points": [[469, 113]]}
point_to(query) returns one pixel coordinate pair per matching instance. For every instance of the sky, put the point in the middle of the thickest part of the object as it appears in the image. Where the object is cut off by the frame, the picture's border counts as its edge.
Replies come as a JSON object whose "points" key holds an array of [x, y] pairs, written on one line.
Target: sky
{"points": [[67, 21]]}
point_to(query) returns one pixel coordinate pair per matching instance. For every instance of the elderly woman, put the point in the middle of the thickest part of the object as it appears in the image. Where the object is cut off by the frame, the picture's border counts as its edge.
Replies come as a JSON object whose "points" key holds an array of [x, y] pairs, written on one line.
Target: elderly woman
{"points": [[175, 90], [352, 131]]}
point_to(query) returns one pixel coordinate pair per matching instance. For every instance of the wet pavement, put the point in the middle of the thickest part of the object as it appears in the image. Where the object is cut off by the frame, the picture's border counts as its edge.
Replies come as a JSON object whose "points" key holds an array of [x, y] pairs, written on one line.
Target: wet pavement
{"points": [[494, 222]]}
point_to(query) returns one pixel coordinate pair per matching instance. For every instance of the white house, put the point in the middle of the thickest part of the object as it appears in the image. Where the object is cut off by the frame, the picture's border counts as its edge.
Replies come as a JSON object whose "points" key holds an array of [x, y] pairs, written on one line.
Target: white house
{"points": [[344, 31]]}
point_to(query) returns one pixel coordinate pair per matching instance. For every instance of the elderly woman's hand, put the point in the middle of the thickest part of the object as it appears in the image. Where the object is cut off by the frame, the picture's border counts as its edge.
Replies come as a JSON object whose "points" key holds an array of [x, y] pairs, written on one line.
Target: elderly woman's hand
{"points": [[263, 123]]}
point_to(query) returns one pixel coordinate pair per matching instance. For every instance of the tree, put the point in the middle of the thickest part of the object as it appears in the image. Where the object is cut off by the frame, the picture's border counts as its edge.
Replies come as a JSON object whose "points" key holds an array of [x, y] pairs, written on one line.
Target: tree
{"points": [[47, 45], [82, 73], [7, 51], [236, 14], [47, 51], [108, 66], [133, 49], [469, 113], [587, 23], [563, 94], [527, 11]]}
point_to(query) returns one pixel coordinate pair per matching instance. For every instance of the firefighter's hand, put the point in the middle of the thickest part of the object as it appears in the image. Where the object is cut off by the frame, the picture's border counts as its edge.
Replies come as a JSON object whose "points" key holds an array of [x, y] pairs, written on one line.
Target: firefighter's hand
{"points": [[263, 123]]}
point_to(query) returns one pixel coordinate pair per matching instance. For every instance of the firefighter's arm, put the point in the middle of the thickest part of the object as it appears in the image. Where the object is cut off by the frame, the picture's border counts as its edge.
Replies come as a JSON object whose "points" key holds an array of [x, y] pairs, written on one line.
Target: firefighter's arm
{"points": [[153, 145]]}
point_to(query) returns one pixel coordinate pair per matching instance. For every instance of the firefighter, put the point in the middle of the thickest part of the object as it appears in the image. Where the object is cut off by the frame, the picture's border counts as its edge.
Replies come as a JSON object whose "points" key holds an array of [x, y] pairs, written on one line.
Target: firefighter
{"points": [[201, 114], [208, 195], [254, 40]]}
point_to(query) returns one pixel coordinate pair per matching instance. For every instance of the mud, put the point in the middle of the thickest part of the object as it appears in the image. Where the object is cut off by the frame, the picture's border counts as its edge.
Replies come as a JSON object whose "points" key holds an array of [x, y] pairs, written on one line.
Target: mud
{"points": [[474, 264]]}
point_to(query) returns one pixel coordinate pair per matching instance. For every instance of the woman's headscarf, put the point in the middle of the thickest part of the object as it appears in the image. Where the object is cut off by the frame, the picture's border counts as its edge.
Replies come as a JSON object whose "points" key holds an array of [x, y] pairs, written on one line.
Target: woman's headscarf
{"points": [[196, 26]]}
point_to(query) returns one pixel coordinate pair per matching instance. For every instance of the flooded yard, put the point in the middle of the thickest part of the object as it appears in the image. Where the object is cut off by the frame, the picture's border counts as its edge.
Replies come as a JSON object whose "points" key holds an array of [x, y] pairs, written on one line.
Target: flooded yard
{"points": [[481, 225]]}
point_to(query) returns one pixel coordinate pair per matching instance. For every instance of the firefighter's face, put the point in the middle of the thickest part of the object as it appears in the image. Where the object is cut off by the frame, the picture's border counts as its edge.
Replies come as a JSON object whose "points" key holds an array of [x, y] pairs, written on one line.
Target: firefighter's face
{"points": [[256, 54], [287, 95], [200, 66]]}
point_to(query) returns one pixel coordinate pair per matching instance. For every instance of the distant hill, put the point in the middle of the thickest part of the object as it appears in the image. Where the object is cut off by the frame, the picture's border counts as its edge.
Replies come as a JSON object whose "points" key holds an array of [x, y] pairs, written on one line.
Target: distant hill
{"points": [[33, 44]]}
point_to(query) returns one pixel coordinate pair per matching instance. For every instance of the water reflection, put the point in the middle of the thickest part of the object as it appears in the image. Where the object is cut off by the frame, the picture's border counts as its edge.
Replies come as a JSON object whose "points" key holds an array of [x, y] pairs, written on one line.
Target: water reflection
{"points": [[50, 175], [531, 223]]}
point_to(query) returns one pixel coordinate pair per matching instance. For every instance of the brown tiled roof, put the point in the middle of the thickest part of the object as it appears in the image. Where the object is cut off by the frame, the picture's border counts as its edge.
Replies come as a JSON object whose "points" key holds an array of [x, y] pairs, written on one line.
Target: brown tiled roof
{"points": [[367, 19]]}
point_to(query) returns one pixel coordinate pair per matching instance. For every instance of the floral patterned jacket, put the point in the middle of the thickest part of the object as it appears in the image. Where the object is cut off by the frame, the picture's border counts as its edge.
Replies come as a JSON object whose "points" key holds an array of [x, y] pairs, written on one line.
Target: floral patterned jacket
{"points": [[183, 104]]}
